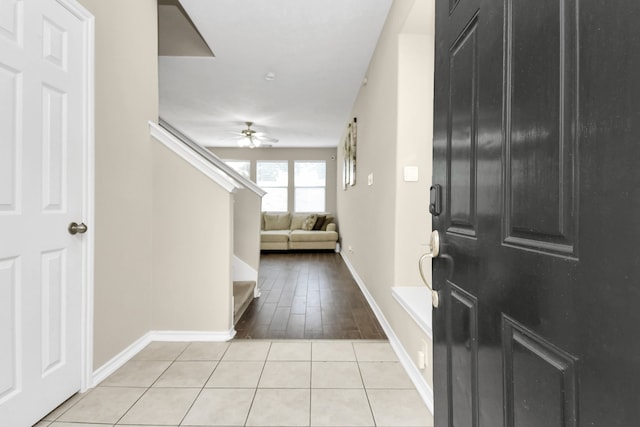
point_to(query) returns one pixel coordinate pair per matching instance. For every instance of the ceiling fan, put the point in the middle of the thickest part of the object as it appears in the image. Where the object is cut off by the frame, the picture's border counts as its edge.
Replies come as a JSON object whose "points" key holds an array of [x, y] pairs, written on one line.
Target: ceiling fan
{"points": [[251, 138]]}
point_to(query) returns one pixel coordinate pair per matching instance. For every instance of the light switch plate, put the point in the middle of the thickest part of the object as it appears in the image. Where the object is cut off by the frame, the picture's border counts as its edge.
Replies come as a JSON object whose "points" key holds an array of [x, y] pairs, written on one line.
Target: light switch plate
{"points": [[370, 179], [410, 173]]}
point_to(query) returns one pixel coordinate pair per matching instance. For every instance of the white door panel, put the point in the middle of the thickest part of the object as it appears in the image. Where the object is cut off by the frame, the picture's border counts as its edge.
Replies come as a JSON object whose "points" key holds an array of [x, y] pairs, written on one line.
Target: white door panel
{"points": [[41, 190], [10, 373]]}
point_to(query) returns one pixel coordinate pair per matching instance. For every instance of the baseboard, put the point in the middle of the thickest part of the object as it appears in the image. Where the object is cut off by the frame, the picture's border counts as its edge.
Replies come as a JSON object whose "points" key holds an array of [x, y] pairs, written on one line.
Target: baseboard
{"points": [[426, 393], [127, 354], [120, 359], [184, 336]]}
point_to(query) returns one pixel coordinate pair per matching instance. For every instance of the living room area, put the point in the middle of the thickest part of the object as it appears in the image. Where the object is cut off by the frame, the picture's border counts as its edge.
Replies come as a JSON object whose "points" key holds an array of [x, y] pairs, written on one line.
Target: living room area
{"points": [[307, 292]]}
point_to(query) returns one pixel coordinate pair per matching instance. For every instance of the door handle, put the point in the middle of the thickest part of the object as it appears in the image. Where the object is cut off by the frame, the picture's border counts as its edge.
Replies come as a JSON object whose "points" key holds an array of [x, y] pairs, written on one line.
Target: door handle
{"points": [[434, 252], [77, 228]]}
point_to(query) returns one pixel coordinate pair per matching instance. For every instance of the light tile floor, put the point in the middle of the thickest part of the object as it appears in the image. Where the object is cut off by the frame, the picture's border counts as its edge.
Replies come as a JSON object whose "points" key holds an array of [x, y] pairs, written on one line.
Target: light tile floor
{"points": [[252, 383]]}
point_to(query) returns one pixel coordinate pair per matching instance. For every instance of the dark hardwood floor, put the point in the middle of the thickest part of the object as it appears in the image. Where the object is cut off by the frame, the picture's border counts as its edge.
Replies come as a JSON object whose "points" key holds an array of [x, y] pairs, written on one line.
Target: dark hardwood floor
{"points": [[308, 295]]}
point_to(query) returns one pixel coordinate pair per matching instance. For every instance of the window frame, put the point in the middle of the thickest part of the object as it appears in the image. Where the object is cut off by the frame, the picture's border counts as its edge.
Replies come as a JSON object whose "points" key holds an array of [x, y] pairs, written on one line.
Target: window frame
{"points": [[296, 186]]}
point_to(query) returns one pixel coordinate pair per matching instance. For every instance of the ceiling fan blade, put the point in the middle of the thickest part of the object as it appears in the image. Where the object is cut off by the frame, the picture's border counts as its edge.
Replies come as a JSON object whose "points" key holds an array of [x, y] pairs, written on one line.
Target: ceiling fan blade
{"points": [[266, 139], [249, 137], [237, 134]]}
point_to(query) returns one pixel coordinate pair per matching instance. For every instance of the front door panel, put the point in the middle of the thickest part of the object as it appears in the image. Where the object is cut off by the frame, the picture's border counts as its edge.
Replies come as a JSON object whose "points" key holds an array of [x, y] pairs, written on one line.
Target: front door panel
{"points": [[536, 130], [540, 98], [540, 380], [462, 336], [462, 123]]}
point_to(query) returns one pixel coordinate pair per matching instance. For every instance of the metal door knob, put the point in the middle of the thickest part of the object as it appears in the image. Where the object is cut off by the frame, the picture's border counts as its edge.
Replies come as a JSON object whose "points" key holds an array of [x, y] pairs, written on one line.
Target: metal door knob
{"points": [[77, 228], [435, 251]]}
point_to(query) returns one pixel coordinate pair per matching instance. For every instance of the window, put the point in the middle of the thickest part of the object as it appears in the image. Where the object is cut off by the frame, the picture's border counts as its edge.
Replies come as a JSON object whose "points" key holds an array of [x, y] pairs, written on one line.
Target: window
{"points": [[273, 177], [243, 167], [310, 181]]}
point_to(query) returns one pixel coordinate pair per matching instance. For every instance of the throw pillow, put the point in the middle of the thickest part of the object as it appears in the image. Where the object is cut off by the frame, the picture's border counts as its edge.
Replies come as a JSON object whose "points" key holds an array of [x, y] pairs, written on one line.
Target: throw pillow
{"points": [[277, 221], [319, 222], [309, 222], [328, 220], [297, 220]]}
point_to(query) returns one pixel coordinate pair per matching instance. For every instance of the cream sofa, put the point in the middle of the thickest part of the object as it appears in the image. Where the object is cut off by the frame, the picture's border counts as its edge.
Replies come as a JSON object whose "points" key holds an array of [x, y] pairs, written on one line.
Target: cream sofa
{"points": [[284, 231]]}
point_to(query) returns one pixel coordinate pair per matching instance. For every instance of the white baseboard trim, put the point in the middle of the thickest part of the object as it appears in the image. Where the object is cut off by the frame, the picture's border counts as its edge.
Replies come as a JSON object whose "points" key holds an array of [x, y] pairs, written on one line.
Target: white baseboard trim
{"points": [[120, 359], [426, 393], [128, 353], [184, 336]]}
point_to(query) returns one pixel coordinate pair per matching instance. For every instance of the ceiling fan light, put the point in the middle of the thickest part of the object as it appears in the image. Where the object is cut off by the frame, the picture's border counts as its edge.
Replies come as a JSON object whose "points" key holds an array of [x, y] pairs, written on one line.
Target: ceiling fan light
{"points": [[252, 139]]}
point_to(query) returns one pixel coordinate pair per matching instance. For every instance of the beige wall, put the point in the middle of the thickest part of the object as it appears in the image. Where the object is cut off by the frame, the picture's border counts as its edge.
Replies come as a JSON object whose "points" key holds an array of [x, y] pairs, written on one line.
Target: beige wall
{"points": [[192, 247], [246, 227], [386, 226], [289, 154], [413, 148], [126, 99]]}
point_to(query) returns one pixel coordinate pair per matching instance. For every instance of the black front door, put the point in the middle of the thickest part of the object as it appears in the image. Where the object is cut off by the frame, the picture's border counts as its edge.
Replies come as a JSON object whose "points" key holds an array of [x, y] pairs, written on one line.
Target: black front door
{"points": [[536, 147]]}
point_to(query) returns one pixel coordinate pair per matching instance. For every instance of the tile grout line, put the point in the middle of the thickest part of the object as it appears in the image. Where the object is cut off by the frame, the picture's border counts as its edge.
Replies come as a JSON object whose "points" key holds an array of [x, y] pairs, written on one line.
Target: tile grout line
{"points": [[310, 383], [204, 385], [66, 410], [147, 388], [255, 392], [364, 386]]}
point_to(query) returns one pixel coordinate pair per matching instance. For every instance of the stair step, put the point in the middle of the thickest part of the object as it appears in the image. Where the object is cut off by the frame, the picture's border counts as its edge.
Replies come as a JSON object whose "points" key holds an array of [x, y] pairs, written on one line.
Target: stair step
{"points": [[242, 296]]}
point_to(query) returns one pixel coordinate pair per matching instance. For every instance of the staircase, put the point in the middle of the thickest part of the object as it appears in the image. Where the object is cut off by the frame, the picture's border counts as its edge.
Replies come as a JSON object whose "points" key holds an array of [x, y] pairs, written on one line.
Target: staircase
{"points": [[242, 296]]}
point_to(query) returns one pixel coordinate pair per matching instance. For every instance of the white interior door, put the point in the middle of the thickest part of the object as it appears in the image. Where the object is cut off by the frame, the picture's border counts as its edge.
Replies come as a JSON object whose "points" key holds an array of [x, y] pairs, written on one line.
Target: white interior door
{"points": [[41, 192]]}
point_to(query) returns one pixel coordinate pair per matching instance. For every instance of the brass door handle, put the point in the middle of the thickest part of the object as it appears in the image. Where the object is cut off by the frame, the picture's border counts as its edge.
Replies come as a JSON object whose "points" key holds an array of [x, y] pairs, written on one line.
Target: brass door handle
{"points": [[77, 228], [435, 251]]}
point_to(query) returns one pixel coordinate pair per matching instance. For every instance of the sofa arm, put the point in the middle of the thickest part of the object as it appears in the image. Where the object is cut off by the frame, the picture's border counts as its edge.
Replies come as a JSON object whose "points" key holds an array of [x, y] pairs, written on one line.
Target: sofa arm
{"points": [[331, 226]]}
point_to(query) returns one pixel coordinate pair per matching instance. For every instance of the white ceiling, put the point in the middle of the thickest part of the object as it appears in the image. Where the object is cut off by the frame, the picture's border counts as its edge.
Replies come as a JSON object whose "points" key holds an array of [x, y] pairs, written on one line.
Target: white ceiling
{"points": [[319, 52]]}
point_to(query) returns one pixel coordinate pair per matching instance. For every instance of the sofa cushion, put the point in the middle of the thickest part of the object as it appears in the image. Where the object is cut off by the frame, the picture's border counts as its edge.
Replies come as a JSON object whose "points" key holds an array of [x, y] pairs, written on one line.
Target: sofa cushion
{"points": [[319, 222], [313, 236], [274, 236], [297, 219], [276, 221], [309, 222]]}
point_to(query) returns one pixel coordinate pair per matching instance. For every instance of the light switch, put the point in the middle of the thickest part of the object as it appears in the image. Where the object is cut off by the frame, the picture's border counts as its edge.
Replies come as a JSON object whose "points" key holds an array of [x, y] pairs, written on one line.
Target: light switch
{"points": [[370, 179], [410, 173]]}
